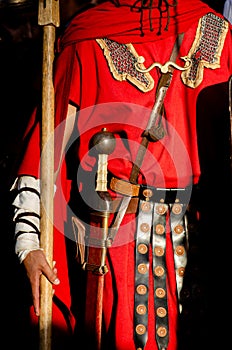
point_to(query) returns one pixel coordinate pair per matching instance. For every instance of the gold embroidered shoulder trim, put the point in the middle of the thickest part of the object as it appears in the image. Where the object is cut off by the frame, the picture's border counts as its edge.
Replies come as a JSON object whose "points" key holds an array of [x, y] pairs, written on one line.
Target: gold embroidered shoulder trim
{"points": [[206, 49], [121, 59]]}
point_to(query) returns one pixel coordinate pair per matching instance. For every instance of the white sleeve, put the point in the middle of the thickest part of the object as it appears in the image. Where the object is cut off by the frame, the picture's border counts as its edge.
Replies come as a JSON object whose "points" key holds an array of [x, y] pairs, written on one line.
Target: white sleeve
{"points": [[26, 215]]}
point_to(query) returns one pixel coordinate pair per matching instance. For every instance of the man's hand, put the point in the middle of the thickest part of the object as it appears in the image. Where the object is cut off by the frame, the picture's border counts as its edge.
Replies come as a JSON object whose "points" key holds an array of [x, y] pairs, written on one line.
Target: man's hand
{"points": [[36, 264]]}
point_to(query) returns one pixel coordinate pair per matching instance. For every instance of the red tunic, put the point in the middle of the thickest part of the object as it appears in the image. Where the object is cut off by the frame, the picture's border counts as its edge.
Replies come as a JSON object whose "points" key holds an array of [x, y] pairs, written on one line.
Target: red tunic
{"points": [[89, 74]]}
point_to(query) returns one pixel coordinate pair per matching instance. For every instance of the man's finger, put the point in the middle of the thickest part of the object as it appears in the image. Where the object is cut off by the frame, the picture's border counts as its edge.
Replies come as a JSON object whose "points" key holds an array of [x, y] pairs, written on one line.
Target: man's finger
{"points": [[36, 295], [50, 274]]}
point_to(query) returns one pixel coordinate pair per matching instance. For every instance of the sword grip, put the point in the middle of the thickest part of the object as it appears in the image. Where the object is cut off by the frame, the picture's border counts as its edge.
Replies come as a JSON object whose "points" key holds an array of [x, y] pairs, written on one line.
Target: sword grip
{"points": [[101, 182], [104, 144]]}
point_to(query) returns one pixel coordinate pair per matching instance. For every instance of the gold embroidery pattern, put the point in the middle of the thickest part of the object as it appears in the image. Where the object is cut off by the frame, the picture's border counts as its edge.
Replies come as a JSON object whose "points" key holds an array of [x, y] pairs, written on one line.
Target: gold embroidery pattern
{"points": [[206, 49], [121, 59]]}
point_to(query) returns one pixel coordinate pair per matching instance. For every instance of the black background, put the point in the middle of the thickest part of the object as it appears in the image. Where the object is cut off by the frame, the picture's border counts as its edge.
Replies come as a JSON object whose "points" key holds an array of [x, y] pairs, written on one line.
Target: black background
{"points": [[20, 74]]}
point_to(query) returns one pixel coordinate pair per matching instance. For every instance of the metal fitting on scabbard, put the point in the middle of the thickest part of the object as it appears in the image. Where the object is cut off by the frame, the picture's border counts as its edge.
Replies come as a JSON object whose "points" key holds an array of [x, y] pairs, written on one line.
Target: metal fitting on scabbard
{"points": [[96, 269]]}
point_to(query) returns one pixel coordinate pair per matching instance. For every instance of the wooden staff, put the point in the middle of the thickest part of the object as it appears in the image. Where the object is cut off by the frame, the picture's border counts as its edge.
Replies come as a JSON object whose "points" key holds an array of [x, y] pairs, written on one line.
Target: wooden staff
{"points": [[48, 17]]}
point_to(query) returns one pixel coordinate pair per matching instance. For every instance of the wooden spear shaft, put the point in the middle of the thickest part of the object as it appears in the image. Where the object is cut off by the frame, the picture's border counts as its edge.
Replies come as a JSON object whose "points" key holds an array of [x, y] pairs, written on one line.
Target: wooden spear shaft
{"points": [[48, 17]]}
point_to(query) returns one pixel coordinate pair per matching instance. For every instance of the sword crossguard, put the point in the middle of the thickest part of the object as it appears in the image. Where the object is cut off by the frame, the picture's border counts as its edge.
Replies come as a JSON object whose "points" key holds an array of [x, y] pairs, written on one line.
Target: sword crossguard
{"points": [[165, 67]]}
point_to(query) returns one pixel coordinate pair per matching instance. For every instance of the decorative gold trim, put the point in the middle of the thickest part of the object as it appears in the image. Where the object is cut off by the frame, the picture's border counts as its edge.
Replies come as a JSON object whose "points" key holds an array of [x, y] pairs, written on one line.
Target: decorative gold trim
{"points": [[203, 63], [126, 76]]}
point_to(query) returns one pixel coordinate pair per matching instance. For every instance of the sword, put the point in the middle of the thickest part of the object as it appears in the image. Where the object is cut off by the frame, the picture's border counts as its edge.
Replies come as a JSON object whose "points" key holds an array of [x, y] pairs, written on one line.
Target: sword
{"points": [[104, 143]]}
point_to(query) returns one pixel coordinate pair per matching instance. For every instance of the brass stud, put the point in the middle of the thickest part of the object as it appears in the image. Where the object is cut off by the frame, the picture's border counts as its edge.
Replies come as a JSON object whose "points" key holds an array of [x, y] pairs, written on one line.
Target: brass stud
{"points": [[159, 251], [140, 329], [177, 209], [144, 227], [145, 206], [141, 289], [161, 209], [141, 309], [162, 332], [147, 193], [180, 250], [142, 268], [159, 229], [178, 229], [159, 271], [181, 271], [161, 312], [160, 292], [142, 248]]}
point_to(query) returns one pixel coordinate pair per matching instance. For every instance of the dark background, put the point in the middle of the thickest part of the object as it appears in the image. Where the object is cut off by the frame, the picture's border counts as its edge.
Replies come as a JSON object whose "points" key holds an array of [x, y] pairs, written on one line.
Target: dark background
{"points": [[20, 80]]}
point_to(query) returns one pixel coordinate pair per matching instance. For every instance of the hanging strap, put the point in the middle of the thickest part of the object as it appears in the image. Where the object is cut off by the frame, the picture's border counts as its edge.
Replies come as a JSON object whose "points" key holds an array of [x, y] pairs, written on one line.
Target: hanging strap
{"points": [[154, 132], [157, 218]]}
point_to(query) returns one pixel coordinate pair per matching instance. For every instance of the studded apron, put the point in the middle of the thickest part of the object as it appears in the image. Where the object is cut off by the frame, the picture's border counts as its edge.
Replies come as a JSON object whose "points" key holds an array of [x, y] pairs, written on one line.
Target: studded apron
{"points": [[157, 212]]}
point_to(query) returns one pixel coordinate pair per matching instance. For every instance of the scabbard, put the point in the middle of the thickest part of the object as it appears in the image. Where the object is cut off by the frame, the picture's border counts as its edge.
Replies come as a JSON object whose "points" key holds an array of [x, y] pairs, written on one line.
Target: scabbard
{"points": [[94, 302], [96, 268]]}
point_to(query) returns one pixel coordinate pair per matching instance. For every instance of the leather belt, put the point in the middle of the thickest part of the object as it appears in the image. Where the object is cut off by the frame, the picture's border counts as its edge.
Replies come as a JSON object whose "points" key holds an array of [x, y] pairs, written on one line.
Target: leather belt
{"points": [[142, 273], [124, 187], [165, 195], [159, 274]]}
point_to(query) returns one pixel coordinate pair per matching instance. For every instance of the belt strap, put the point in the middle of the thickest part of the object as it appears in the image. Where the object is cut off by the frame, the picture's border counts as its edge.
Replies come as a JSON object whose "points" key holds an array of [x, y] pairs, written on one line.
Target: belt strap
{"points": [[142, 273], [179, 241], [153, 131], [151, 233], [159, 273], [167, 195]]}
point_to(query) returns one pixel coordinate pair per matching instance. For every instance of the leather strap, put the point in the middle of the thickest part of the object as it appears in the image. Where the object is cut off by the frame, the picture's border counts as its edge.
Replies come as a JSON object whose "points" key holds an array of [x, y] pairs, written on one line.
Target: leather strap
{"points": [[142, 273], [154, 130], [148, 135], [124, 187], [151, 234], [159, 273], [179, 241], [143, 191]]}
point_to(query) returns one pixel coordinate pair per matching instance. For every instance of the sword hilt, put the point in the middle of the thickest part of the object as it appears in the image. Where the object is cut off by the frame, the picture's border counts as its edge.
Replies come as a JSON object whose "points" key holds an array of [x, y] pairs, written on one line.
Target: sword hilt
{"points": [[104, 143]]}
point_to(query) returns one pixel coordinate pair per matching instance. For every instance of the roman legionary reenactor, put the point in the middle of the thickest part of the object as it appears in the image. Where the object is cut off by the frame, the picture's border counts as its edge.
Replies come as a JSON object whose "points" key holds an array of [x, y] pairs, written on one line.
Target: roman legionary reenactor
{"points": [[141, 88]]}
